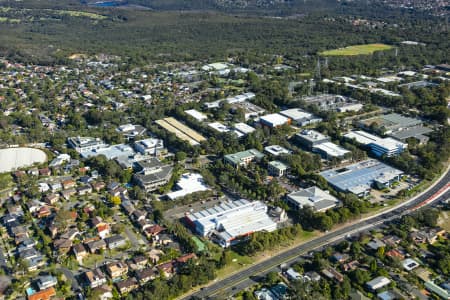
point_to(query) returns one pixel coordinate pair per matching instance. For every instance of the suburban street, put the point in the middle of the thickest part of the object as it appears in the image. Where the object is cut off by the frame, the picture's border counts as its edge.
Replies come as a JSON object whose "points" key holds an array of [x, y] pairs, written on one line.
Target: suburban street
{"points": [[246, 278]]}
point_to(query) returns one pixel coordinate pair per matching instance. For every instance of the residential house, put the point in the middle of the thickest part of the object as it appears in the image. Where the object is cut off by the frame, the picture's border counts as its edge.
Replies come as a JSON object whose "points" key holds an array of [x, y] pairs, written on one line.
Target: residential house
{"points": [[62, 245], [51, 199], [116, 269], [45, 172], [79, 251], [45, 282], [332, 273], [95, 246], [145, 275], [103, 292], [167, 269], [84, 190], [46, 294], [127, 285], [68, 184], [427, 235], [115, 241], [94, 278]]}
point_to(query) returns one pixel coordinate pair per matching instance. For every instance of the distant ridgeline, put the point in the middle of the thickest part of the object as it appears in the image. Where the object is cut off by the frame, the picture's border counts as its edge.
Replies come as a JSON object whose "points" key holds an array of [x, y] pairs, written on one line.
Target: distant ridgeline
{"points": [[243, 5], [105, 3]]}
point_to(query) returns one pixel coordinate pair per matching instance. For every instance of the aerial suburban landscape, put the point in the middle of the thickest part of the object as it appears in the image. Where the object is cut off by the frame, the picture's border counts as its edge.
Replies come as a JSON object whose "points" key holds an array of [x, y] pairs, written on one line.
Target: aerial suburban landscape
{"points": [[224, 149]]}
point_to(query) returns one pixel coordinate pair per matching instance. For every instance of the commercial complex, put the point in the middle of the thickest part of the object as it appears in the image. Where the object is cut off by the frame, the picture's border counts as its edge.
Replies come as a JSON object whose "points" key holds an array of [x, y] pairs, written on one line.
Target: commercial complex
{"points": [[110, 152], [378, 146], [300, 117], [276, 150], [84, 144], [152, 174], [229, 221], [277, 168], [181, 131], [243, 158], [313, 197], [131, 131], [360, 177], [320, 143], [150, 146], [310, 138]]}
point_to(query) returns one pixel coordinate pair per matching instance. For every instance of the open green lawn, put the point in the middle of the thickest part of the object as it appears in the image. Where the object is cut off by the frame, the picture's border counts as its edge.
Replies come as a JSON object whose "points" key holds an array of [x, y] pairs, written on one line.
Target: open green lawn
{"points": [[356, 50]]}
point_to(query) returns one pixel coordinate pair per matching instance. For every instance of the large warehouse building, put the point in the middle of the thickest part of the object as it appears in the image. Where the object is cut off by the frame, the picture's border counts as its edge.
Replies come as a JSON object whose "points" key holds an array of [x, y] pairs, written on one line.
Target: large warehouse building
{"points": [[229, 221], [360, 177]]}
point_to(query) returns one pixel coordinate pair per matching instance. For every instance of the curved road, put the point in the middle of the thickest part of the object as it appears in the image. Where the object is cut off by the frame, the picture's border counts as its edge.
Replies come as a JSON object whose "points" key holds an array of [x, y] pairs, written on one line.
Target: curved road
{"points": [[239, 281]]}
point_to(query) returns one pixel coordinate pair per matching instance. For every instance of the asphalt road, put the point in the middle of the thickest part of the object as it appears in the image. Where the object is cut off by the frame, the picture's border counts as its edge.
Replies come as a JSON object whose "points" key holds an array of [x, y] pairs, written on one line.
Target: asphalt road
{"points": [[246, 278]]}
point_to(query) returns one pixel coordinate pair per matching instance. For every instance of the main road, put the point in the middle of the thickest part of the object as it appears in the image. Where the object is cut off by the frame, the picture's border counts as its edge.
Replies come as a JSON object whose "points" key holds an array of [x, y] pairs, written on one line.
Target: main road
{"points": [[243, 279]]}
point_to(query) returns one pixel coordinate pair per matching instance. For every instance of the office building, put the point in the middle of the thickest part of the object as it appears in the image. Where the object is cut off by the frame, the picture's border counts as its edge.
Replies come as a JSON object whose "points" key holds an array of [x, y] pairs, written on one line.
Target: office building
{"points": [[243, 158]]}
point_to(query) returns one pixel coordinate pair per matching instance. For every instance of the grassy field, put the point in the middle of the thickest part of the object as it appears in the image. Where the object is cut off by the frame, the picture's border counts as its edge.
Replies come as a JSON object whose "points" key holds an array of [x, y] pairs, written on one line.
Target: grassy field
{"points": [[356, 50]]}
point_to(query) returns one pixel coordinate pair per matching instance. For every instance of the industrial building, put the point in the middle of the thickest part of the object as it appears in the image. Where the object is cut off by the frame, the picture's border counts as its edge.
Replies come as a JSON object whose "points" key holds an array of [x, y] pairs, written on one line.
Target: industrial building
{"points": [[250, 110], [274, 120], [187, 184], [416, 132], [243, 98], [228, 222], [328, 102], [243, 158], [243, 128], [377, 145], [181, 131], [390, 123], [300, 117], [359, 178], [219, 127], [313, 197], [196, 115]]}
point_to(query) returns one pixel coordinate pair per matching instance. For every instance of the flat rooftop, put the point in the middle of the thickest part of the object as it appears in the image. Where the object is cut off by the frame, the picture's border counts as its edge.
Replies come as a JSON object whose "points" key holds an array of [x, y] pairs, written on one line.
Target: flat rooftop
{"points": [[110, 152], [187, 184], [274, 119], [312, 135], [360, 174], [331, 149], [181, 131], [196, 114], [244, 128], [276, 150]]}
